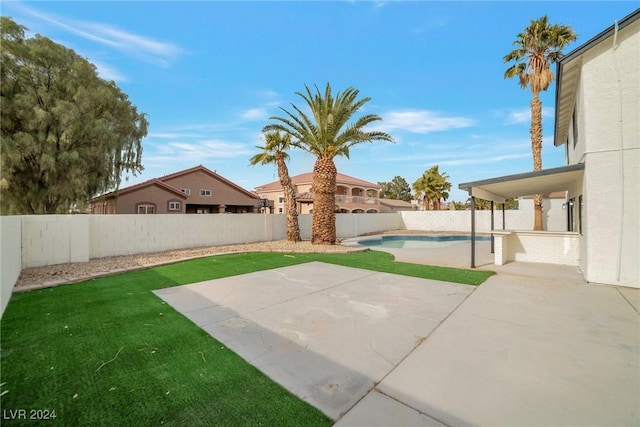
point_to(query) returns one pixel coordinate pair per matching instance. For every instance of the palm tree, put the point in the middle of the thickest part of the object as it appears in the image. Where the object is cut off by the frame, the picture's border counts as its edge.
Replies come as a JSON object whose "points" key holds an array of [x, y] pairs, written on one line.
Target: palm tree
{"points": [[432, 187], [327, 134], [274, 150], [536, 48]]}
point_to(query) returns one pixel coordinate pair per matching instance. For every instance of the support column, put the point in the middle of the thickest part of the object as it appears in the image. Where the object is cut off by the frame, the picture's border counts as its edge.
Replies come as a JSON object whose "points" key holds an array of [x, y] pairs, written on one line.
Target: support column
{"points": [[473, 232], [503, 223], [492, 226], [222, 209]]}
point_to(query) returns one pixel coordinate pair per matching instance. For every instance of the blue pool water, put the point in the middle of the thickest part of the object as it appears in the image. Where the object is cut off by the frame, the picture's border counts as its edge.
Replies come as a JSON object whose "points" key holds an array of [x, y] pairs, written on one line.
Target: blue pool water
{"points": [[418, 241]]}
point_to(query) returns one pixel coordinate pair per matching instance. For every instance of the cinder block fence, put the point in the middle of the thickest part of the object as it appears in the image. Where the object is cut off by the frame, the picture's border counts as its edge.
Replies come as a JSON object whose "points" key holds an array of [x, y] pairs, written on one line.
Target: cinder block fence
{"points": [[37, 240]]}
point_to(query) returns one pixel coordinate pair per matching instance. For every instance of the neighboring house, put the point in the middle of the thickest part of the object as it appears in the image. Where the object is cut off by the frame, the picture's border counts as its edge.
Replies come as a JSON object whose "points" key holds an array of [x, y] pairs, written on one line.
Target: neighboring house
{"points": [[597, 115], [353, 195], [395, 205], [195, 190]]}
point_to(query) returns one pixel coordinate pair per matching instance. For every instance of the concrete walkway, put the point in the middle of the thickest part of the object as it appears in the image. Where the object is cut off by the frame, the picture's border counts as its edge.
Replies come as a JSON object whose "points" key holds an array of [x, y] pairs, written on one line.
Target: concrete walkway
{"points": [[372, 348]]}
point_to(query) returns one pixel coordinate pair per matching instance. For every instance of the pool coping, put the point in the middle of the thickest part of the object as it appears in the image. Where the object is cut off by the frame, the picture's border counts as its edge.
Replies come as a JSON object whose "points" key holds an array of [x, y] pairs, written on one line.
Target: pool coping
{"points": [[354, 242]]}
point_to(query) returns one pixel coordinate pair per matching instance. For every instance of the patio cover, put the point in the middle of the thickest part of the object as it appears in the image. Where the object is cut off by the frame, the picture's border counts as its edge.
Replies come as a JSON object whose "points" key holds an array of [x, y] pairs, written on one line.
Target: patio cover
{"points": [[522, 184]]}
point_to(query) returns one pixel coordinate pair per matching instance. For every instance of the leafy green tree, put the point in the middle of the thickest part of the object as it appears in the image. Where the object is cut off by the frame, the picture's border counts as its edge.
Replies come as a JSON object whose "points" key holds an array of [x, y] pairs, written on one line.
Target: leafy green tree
{"points": [[397, 188], [482, 204], [537, 47], [326, 134], [432, 187], [66, 133], [275, 150], [459, 206]]}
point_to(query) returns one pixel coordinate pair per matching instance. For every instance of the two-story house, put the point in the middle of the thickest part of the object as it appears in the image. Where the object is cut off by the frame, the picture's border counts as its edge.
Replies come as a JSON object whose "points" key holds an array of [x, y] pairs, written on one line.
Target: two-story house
{"points": [[353, 195], [597, 121], [195, 190]]}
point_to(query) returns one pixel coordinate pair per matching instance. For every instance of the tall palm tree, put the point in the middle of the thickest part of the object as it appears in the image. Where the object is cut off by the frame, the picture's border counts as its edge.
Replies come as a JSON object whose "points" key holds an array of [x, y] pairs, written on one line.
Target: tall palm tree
{"points": [[327, 133], [274, 150], [537, 48]]}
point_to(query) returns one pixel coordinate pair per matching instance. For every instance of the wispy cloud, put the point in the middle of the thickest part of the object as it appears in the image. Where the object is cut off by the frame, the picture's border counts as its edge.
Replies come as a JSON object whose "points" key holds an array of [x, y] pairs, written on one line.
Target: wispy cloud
{"points": [[145, 48], [254, 114], [524, 115], [421, 121], [174, 135], [108, 72], [197, 152], [483, 160]]}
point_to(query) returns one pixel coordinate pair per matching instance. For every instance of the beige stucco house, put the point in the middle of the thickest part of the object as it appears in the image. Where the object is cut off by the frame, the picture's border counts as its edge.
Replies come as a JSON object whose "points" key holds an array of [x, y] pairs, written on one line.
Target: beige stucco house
{"points": [[597, 122], [353, 195], [195, 190]]}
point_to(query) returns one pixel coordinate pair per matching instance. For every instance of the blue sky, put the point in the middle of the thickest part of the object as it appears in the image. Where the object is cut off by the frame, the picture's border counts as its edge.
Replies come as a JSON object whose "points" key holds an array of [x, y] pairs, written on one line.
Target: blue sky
{"points": [[209, 74]]}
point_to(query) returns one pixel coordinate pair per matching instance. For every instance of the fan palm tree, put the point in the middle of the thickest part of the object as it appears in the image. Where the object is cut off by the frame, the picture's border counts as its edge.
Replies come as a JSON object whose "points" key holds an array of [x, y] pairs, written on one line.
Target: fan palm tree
{"points": [[326, 134], [537, 48], [274, 150], [432, 187]]}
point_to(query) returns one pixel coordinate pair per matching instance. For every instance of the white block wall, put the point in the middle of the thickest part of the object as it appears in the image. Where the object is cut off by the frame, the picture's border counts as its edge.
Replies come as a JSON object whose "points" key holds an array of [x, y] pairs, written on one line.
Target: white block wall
{"points": [[353, 225], [133, 234], [10, 256], [54, 239], [461, 220], [544, 247]]}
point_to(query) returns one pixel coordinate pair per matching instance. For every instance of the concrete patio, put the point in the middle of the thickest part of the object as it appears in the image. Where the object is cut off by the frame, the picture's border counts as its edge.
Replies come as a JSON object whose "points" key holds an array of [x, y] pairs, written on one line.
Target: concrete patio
{"points": [[533, 345]]}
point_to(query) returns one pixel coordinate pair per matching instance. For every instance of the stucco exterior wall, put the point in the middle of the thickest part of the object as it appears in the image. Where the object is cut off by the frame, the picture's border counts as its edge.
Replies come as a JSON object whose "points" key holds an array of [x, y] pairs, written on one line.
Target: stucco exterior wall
{"points": [[221, 192], [610, 90], [554, 217], [127, 203]]}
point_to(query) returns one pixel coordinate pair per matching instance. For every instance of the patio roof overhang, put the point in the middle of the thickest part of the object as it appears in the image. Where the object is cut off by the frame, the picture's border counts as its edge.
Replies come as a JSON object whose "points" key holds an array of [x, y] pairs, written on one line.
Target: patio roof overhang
{"points": [[524, 184]]}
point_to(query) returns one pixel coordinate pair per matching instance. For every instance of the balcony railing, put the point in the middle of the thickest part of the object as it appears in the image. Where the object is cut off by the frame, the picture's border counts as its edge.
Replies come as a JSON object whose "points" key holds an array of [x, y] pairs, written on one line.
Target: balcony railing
{"points": [[357, 200]]}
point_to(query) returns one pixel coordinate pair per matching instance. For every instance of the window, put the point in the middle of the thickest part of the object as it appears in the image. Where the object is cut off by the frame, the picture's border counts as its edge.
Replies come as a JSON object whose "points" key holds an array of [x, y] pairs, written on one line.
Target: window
{"points": [[575, 127], [280, 200], [174, 206], [205, 192], [186, 191], [280, 210], [146, 209]]}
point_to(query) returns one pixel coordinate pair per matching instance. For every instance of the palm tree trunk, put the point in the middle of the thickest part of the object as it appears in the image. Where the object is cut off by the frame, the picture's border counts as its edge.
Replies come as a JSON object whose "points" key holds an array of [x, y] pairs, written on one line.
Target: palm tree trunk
{"points": [[293, 228], [323, 225], [536, 150]]}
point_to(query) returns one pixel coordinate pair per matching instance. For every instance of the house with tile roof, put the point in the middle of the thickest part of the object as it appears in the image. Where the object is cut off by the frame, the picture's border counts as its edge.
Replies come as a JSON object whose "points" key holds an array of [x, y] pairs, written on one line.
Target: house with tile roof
{"points": [[353, 195], [196, 190]]}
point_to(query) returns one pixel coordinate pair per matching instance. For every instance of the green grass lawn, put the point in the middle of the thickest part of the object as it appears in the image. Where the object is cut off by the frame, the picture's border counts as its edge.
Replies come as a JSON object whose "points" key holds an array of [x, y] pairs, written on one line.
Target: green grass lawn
{"points": [[109, 352]]}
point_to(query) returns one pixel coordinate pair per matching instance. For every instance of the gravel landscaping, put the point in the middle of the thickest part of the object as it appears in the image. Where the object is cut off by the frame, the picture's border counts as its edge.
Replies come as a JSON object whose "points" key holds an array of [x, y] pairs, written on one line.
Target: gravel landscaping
{"points": [[52, 275]]}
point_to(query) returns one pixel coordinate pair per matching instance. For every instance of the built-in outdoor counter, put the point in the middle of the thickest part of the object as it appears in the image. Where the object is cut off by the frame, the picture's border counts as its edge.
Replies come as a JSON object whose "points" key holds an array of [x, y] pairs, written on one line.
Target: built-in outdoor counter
{"points": [[552, 247]]}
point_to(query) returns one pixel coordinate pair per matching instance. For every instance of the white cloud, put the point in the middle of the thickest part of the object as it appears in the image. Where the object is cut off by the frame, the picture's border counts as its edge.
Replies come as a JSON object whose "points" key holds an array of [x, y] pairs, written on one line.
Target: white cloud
{"points": [[108, 72], [483, 160], [254, 114], [524, 115], [421, 121], [146, 48], [174, 135]]}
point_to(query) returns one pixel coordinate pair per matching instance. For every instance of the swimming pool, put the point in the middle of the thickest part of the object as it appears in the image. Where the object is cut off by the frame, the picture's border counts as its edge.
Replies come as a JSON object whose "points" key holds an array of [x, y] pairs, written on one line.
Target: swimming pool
{"points": [[417, 241]]}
